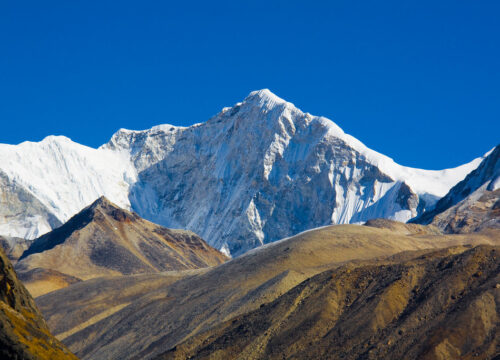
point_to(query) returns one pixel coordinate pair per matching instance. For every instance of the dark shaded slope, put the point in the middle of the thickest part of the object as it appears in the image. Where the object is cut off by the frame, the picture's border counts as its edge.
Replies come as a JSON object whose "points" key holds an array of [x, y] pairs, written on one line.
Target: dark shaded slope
{"points": [[23, 332], [441, 305], [86, 303]]}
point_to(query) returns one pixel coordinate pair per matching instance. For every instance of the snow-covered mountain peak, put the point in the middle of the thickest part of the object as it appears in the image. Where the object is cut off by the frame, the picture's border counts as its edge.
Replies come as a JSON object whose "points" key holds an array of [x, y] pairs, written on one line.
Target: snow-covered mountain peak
{"points": [[57, 139], [48, 141], [276, 109], [265, 99], [255, 172]]}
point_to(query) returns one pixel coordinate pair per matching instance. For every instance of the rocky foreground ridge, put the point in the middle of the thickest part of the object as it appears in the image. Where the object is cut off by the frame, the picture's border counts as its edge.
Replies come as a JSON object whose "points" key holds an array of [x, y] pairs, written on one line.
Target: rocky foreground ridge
{"points": [[23, 332]]}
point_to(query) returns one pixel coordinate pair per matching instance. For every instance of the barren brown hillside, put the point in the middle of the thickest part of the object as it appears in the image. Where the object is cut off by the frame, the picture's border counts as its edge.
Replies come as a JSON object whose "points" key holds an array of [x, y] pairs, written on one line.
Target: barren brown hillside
{"points": [[150, 322], [441, 305], [105, 240]]}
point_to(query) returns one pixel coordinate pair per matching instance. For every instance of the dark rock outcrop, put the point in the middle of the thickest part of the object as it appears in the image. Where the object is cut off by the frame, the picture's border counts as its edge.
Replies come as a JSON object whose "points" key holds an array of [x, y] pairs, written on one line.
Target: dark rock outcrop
{"points": [[23, 332]]}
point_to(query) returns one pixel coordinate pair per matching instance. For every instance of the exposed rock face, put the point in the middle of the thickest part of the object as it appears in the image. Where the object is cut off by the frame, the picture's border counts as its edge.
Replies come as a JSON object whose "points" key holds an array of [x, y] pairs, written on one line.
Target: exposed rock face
{"points": [[471, 205], [101, 320], [477, 212], [255, 173], [14, 247], [21, 213], [438, 306], [104, 239], [23, 332]]}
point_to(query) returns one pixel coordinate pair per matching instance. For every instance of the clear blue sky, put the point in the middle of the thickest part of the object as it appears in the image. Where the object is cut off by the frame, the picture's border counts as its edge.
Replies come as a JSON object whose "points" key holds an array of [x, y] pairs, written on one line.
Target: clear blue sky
{"points": [[416, 80]]}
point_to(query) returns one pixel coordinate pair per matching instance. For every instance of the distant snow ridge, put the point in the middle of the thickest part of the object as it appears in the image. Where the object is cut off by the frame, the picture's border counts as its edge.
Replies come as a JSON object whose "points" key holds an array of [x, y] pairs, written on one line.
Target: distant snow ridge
{"points": [[45, 183], [485, 178], [257, 172]]}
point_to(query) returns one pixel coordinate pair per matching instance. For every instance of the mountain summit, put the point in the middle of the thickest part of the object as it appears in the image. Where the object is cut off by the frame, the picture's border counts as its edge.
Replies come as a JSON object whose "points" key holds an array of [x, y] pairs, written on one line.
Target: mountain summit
{"points": [[263, 170], [104, 239], [256, 172]]}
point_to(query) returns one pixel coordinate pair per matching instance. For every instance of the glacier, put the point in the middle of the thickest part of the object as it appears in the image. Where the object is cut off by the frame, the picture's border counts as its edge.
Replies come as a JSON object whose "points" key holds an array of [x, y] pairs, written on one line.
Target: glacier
{"points": [[256, 172]]}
